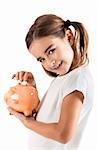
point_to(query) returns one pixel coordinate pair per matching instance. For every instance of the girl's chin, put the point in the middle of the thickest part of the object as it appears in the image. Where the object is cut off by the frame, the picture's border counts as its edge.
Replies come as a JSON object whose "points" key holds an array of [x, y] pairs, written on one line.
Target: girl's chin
{"points": [[63, 72]]}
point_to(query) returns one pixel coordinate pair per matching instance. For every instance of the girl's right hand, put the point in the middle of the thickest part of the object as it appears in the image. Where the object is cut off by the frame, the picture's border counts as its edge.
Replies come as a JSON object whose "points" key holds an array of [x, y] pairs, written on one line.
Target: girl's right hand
{"points": [[25, 76]]}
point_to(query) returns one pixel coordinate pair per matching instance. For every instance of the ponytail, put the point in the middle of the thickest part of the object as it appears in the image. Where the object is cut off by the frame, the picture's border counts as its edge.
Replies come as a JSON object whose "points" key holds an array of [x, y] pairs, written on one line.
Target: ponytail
{"points": [[81, 40]]}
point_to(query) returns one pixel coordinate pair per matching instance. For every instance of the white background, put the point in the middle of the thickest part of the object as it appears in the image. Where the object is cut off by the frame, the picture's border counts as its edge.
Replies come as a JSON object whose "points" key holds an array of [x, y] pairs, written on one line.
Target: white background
{"points": [[16, 16]]}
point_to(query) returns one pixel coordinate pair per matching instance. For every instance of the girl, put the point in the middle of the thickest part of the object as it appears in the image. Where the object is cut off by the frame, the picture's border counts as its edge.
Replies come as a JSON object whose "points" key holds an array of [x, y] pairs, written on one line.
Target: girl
{"points": [[61, 48]]}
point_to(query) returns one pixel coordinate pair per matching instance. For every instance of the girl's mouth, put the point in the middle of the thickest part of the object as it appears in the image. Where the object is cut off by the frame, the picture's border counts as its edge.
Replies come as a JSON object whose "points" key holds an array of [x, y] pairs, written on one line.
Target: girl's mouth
{"points": [[59, 65]]}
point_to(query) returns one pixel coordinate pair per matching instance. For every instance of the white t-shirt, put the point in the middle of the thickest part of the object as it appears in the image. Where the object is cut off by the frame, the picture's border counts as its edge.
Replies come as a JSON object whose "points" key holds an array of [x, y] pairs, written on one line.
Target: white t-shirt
{"points": [[78, 79]]}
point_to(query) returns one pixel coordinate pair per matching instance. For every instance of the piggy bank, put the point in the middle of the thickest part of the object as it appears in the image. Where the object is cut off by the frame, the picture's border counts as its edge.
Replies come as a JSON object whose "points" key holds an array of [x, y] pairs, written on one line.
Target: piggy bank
{"points": [[22, 98]]}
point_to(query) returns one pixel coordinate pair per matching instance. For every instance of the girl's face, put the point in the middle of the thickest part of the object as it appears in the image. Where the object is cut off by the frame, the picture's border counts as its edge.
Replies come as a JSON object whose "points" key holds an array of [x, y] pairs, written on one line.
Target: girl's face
{"points": [[55, 54]]}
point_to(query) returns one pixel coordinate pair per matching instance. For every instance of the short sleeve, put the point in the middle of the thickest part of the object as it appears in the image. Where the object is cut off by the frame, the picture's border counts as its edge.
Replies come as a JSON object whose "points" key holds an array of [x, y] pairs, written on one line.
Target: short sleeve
{"points": [[77, 82]]}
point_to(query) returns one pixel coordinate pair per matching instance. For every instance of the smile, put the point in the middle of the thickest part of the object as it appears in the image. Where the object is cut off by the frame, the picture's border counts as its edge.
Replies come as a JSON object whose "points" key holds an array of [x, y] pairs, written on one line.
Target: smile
{"points": [[58, 66]]}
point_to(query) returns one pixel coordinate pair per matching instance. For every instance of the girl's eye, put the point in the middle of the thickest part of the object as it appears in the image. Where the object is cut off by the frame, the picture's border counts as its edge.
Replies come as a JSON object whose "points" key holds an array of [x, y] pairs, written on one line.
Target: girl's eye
{"points": [[51, 51], [41, 60]]}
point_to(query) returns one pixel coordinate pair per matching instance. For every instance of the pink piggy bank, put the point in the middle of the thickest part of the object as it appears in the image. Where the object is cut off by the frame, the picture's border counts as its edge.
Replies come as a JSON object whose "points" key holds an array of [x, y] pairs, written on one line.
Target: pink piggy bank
{"points": [[22, 98]]}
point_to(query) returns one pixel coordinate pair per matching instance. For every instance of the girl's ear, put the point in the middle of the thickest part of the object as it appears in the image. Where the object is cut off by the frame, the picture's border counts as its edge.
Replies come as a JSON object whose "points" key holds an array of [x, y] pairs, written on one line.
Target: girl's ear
{"points": [[69, 36]]}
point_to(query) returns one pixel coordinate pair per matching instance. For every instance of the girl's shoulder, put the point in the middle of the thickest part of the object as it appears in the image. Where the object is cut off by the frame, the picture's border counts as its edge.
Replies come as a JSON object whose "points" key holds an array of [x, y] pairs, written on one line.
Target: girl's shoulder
{"points": [[79, 79], [81, 72], [80, 76]]}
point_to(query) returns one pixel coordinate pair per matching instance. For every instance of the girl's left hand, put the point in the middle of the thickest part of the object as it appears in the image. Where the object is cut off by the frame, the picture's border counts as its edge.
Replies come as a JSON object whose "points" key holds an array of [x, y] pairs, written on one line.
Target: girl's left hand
{"points": [[25, 120]]}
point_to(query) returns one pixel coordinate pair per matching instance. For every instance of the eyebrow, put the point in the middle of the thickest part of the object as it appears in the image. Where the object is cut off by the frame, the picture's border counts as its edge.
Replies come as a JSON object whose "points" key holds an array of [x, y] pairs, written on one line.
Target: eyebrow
{"points": [[48, 48], [45, 51]]}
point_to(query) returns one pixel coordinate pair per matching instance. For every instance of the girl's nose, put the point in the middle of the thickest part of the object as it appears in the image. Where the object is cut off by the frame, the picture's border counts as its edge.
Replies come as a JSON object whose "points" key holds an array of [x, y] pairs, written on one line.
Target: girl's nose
{"points": [[53, 62]]}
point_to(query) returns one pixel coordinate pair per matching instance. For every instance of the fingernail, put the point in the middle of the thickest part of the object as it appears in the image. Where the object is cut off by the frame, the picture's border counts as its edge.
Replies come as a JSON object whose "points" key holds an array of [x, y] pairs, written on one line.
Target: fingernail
{"points": [[24, 83]]}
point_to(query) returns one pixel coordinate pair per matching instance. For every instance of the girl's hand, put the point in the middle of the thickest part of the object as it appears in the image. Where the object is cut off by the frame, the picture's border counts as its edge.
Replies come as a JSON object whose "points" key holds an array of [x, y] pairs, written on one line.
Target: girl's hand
{"points": [[25, 120], [25, 76]]}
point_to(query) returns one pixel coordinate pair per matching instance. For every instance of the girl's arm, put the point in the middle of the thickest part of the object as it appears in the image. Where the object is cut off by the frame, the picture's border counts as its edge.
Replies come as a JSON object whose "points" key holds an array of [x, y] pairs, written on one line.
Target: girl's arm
{"points": [[63, 130]]}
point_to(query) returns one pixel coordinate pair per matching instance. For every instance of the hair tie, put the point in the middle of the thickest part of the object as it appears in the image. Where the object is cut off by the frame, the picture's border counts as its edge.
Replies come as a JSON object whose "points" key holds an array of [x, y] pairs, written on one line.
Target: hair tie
{"points": [[67, 23]]}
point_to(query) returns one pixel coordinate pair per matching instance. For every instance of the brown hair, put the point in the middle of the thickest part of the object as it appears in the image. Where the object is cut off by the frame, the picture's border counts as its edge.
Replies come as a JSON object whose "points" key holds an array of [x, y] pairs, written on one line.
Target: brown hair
{"points": [[52, 25]]}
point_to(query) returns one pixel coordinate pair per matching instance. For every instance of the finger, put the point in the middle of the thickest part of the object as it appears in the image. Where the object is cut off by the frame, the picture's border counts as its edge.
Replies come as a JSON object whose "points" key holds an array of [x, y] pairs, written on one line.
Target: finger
{"points": [[20, 116], [21, 75], [13, 76], [12, 111], [25, 120], [26, 76], [29, 77], [17, 76]]}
